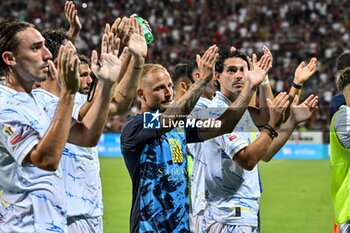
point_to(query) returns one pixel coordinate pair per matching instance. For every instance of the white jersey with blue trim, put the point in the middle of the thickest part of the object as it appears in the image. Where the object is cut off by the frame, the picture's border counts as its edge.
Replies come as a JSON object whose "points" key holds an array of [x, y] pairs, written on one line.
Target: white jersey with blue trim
{"points": [[31, 199], [233, 193], [196, 149], [80, 166]]}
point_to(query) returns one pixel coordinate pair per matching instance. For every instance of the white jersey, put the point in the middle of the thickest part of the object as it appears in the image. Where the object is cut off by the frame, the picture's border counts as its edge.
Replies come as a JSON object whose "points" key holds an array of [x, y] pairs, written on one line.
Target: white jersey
{"points": [[196, 149], [233, 193], [80, 166], [31, 199]]}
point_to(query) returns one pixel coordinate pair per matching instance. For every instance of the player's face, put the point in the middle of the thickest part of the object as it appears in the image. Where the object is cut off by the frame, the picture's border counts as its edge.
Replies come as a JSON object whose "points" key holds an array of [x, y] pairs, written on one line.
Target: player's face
{"points": [[85, 78], [31, 56], [158, 94], [232, 78]]}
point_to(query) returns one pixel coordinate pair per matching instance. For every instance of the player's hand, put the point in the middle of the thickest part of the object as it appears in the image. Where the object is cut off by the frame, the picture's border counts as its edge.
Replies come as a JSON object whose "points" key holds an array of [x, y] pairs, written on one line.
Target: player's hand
{"points": [[108, 68], [206, 63], [137, 42], [121, 28], [258, 69], [267, 51], [304, 72], [67, 71], [303, 111], [72, 16], [277, 108]]}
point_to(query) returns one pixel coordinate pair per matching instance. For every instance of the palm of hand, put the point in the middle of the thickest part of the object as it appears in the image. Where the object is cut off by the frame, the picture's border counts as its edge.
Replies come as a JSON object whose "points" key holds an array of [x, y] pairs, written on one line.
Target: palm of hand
{"points": [[110, 68], [303, 74], [300, 112], [256, 75], [137, 45]]}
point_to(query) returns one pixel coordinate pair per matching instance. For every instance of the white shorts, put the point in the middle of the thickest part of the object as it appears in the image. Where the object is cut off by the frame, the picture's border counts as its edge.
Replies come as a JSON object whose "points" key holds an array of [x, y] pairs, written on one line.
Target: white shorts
{"points": [[216, 227], [199, 224], [78, 224]]}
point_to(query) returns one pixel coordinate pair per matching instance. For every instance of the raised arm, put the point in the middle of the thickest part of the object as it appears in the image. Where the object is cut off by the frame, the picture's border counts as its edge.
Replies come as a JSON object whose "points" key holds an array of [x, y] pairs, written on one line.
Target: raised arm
{"points": [[299, 113], [261, 115], [126, 89], [249, 156], [182, 107], [123, 30], [47, 153], [107, 69], [71, 15], [233, 114], [301, 75]]}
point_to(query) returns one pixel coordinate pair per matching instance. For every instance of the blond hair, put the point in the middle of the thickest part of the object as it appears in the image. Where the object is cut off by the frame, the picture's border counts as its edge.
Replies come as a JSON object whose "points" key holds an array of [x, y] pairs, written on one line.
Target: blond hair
{"points": [[148, 70]]}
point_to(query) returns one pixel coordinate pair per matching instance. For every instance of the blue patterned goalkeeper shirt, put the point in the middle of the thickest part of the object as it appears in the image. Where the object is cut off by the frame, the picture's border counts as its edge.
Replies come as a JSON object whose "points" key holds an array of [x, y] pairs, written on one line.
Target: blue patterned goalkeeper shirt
{"points": [[157, 165]]}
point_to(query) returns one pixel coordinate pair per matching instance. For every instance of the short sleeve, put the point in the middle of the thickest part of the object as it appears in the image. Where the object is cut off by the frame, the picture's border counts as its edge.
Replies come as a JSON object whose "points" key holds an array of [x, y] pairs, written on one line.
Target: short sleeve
{"points": [[79, 101], [134, 135], [342, 126], [18, 139], [232, 143]]}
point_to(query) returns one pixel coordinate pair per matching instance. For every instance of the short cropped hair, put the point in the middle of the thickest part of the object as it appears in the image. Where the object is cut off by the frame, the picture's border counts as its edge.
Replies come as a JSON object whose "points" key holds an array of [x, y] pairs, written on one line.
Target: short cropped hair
{"points": [[343, 78], [192, 66], [180, 74], [54, 38], [149, 69], [9, 40]]}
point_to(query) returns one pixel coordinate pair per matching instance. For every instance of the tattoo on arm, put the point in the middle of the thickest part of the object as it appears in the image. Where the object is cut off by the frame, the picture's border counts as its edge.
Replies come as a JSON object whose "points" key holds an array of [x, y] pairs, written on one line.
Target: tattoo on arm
{"points": [[185, 105]]}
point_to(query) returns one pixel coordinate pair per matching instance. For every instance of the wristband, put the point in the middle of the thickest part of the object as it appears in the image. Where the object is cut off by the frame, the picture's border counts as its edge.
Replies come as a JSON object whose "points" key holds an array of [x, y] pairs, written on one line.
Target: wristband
{"points": [[265, 81], [273, 133], [297, 86]]}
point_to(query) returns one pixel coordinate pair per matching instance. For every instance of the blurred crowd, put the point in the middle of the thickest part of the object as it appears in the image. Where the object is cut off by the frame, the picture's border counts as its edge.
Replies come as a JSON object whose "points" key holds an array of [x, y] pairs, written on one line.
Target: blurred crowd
{"points": [[293, 30]]}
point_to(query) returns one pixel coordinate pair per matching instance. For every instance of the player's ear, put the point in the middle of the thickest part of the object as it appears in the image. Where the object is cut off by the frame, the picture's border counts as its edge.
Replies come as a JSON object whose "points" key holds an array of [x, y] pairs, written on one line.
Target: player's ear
{"points": [[196, 75], [183, 86], [217, 76], [140, 94], [8, 58]]}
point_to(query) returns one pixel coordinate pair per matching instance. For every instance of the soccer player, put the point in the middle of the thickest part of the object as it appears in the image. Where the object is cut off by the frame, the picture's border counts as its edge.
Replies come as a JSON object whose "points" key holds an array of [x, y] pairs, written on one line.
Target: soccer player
{"points": [[184, 76], [32, 198], [343, 61], [80, 164], [339, 156], [231, 176], [156, 158], [85, 75], [198, 149]]}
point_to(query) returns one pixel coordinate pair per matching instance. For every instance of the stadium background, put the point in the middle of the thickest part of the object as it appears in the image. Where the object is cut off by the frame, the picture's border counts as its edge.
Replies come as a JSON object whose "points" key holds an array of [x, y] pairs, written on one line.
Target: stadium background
{"points": [[296, 194]]}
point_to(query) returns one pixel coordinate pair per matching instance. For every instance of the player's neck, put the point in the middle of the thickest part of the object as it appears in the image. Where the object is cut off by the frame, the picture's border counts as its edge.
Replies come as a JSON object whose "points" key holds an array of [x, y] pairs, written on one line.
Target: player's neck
{"points": [[18, 85], [230, 95]]}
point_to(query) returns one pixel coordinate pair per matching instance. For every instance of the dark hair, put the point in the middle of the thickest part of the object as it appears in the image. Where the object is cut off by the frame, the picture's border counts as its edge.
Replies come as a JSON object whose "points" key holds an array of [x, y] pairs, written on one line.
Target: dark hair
{"points": [[343, 79], [180, 72], [191, 66], [343, 61], [227, 53], [9, 40], [54, 38], [84, 59]]}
